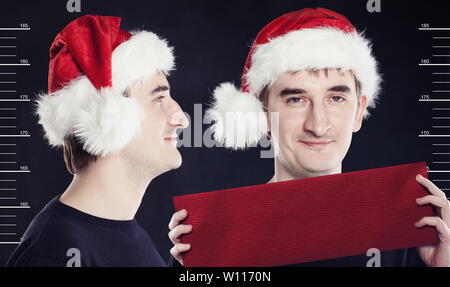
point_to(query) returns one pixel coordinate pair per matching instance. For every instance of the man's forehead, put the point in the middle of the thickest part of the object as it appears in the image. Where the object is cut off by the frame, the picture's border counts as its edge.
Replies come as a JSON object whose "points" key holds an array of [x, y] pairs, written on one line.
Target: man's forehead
{"points": [[324, 78]]}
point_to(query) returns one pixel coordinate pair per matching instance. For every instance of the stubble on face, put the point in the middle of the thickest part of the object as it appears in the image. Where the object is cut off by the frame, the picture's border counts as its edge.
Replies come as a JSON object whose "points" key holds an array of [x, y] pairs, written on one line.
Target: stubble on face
{"points": [[153, 151], [315, 132]]}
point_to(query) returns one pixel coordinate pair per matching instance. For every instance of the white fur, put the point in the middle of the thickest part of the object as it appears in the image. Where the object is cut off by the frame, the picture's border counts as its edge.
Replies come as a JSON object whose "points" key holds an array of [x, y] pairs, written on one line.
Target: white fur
{"points": [[105, 120], [143, 55], [246, 121], [58, 111], [314, 49]]}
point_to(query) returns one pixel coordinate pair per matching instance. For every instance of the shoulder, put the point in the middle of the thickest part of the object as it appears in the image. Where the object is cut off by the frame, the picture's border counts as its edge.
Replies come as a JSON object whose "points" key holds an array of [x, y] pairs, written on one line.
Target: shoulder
{"points": [[46, 261], [48, 239]]}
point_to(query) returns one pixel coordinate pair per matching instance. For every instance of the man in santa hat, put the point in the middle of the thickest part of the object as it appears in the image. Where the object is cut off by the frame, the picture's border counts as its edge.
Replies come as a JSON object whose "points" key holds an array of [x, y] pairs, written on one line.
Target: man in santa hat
{"points": [[315, 78], [109, 107]]}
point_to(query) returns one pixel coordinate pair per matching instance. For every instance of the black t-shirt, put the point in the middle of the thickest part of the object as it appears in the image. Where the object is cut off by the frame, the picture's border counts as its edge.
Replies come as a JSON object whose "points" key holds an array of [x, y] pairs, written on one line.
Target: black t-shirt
{"points": [[61, 234]]}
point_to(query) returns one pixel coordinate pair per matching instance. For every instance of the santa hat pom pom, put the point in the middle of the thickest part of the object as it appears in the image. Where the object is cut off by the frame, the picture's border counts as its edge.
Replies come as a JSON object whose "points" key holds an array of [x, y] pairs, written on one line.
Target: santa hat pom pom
{"points": [[239, 118]]}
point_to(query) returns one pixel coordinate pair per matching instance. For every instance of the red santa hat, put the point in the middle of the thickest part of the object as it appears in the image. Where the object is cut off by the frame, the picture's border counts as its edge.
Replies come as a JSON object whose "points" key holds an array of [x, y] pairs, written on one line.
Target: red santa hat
{"points": [[92, 63], [308, 39]]}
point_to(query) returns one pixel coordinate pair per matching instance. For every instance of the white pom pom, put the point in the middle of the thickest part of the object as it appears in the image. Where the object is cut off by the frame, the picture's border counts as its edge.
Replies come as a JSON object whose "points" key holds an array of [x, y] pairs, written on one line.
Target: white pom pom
{"points": [[239, 118]]}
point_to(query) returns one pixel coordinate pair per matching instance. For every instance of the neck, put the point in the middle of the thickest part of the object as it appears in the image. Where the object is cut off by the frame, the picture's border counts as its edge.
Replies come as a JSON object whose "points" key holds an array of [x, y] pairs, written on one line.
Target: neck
{"points": [[108, 188], [282, 173]]}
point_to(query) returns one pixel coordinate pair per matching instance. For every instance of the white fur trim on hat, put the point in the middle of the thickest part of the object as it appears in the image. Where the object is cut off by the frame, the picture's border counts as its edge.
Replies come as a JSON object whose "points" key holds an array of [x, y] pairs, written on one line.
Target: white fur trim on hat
{"points": [[239, 118], [143, 55], [315, 49], [105, 120]]}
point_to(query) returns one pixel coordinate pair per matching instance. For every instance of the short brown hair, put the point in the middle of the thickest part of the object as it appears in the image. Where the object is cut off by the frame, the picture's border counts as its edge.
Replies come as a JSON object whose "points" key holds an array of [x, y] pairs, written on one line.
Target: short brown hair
{"points": [[75, 157], [264, 95]]}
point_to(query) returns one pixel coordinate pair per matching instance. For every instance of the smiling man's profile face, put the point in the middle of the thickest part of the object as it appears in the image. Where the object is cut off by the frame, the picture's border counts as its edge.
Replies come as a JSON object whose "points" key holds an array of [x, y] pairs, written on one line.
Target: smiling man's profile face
{"points": [[318, 113], [156, 145]]}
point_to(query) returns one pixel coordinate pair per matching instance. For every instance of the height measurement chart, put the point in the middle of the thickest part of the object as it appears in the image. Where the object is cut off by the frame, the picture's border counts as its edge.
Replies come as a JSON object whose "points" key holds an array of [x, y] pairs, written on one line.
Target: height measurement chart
{"points": [[14, 136], [434, 99]]}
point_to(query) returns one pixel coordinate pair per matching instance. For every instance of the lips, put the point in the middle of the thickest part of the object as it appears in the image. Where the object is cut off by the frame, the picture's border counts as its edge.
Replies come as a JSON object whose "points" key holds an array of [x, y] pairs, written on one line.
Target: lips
{"points": [[170, 139], [315, 144]]}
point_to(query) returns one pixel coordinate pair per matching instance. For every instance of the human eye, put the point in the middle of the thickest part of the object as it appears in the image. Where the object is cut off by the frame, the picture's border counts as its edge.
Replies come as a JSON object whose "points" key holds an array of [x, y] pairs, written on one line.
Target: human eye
{"points": [[338, 99], [294, 100], [160, 98]]}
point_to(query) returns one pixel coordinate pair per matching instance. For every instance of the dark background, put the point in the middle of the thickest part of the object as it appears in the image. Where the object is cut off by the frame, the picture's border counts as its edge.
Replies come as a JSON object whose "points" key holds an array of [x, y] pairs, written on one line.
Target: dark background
{"points": [[211, 41]]}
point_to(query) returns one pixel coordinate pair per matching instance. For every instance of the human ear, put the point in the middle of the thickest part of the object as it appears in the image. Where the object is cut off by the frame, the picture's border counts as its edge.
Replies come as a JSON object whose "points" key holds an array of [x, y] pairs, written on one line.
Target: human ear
{"points": [[360, 113]]}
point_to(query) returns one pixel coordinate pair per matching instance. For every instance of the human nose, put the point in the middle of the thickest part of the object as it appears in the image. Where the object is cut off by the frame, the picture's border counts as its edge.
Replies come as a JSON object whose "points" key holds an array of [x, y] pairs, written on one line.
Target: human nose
{"points": [[317, 121], [177, 117]]}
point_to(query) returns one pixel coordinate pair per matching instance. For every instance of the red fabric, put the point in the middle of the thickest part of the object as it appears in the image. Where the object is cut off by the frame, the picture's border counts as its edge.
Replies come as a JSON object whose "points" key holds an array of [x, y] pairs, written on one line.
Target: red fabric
{"points": [[307, 219], [297, 20], [85, 47]]}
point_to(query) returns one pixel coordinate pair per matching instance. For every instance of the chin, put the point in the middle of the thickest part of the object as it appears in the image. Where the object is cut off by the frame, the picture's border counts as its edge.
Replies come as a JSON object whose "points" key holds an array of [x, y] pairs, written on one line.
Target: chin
{"points": [[317, 168], [175, 161], [311, 164], [320, 165], [177, 164]]}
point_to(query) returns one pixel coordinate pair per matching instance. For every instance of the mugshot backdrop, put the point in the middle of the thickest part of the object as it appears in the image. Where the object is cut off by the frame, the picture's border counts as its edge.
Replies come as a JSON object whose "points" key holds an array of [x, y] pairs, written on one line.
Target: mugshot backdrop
{"points": [[211, 41]]}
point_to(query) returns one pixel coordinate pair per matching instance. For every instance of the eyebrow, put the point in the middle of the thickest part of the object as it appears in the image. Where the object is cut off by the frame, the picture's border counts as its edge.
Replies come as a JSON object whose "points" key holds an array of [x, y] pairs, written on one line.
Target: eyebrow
{"points": [[341, 88], [290, 91], [160, 89], [293, 91]]}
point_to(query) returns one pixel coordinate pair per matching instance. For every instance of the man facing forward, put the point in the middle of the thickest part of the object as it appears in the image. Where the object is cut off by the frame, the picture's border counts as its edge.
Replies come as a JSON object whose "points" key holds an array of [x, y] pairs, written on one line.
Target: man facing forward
{"points": [[315, 71]]}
